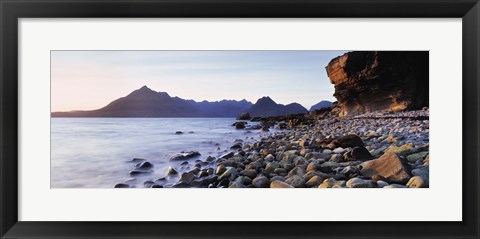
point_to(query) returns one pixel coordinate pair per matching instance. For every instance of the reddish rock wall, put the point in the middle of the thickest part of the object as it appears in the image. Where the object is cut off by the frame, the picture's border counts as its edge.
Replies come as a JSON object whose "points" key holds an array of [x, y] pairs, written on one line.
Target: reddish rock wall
{"points": [[367, 81]]}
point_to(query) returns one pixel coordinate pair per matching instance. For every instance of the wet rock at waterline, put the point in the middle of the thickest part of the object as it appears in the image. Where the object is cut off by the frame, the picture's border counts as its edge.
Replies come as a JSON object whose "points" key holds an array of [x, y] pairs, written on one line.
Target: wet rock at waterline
{"points": [[375, 150], [185, 156]]}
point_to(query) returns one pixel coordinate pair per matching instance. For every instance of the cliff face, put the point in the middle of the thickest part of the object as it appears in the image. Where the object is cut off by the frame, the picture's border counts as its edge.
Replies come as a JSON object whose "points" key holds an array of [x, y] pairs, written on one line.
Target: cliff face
{"points": [[380, 81]]}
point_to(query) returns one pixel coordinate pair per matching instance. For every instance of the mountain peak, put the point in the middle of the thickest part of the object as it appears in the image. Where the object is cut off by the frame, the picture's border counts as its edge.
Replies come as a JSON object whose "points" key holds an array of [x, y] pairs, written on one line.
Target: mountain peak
{"points": [[143, 91], [265, 106], [145, 88], [266, 99], [320, 105]]}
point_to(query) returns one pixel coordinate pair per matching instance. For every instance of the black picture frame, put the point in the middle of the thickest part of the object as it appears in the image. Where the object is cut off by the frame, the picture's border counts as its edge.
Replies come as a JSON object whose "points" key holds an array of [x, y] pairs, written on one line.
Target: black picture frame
{"points": [[12, 10]]}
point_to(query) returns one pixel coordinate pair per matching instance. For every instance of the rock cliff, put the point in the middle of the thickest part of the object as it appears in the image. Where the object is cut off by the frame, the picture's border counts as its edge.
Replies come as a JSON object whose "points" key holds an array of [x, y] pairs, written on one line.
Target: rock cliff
{"points": [[367, 81]]}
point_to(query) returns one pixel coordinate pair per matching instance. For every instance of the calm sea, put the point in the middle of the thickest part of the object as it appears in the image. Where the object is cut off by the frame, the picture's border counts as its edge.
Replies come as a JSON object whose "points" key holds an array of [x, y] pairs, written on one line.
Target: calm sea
{"points": [[94, 152]]}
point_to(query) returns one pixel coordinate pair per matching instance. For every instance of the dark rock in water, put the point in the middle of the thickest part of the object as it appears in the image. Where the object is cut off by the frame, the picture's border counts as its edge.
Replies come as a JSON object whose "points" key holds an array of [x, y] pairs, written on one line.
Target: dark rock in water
{"points": [[144, 165], [358, 154], [231, 162], [389, 166], [227, 155], [202, 173], [130, 180], [148, 183], [210, 170], [121, 185], [236, 146], [156, 186], [179, 132], [239, 125], [138, 172], [367, 81], [184, 163], [171, 171], [265, 128], [195, 170], [210, 159], [191, 132], [348, 141], [180, 184], [185, 156], [137, 160], [254, 127], [244, 116], [163, 179], [261, 182], [187, 177]]}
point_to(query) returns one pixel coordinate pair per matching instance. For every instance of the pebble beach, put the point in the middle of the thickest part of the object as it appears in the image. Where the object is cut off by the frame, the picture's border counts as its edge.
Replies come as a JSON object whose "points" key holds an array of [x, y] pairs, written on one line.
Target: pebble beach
{"points": [[313, 150]]}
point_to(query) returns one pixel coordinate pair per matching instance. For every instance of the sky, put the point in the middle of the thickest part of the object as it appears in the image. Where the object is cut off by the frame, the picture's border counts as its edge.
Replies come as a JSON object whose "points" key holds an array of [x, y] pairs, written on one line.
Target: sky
{"points": [[86, 80]]}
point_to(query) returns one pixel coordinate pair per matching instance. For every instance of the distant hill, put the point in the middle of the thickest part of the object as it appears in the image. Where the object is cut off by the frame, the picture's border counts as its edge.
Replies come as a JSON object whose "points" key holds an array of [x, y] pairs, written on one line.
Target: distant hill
{"points": [[265, 106], [145, 102], [224, 108], [320, 105]]}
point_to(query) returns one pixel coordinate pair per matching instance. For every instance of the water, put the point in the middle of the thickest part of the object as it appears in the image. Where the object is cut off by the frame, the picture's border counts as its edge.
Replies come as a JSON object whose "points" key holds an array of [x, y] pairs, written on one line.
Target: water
{"points": [[94, 152]]}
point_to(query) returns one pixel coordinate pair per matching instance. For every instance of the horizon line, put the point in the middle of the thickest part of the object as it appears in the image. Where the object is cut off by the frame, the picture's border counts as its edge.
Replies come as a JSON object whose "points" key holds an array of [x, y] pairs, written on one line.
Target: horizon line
{"points": [[145, 86]]}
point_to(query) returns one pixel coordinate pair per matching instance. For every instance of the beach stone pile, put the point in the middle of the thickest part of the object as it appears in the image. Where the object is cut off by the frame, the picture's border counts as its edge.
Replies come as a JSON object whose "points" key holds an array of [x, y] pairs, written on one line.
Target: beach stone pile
{"points": [[375, 150]]}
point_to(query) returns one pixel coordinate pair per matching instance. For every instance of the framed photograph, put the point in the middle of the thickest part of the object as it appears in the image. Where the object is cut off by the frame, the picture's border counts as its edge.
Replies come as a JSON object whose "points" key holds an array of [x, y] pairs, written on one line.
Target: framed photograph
{"points": [[239, 119]]}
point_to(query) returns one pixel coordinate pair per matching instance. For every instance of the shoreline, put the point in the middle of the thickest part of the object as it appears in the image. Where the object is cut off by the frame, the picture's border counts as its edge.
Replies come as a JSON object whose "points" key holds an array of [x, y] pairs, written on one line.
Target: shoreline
{"points": [[319, 150]]}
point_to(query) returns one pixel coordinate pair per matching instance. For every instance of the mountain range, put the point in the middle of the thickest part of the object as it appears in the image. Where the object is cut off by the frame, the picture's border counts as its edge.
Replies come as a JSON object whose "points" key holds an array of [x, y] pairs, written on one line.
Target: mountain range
{"points": [[145, 102], [320, 105], [265, 106]]}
